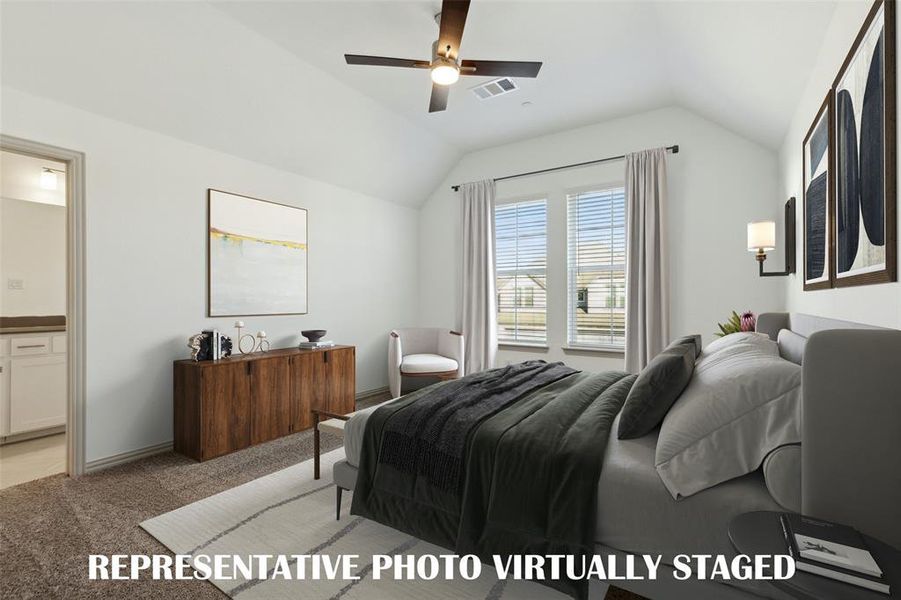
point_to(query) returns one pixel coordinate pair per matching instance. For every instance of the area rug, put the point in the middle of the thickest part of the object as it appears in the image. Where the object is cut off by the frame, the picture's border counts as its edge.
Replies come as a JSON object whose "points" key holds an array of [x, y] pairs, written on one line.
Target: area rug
{"points": [[288, 512]]}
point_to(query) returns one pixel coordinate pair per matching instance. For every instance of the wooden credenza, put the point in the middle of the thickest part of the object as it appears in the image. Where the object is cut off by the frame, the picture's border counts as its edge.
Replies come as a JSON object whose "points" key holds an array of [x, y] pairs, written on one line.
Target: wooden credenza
{"points": [[226, 405]]}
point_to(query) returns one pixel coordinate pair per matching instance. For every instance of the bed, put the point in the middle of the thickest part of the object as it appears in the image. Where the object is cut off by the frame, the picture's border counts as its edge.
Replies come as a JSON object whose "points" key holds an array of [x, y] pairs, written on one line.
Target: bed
{"points": [[636, 513]]}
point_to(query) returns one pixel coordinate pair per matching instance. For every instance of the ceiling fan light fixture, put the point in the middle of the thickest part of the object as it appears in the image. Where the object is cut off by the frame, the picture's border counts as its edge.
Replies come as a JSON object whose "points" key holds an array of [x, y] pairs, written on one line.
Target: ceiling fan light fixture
{"points": [[445, 73], [445, 66], [48, 179]]}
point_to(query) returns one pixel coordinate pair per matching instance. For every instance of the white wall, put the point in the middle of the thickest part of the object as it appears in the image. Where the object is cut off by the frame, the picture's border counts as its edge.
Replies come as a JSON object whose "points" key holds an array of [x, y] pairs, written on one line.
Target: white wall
{"points": [[717, 183], [33, 249], [146, 273], [874, 304], [189, 70]]}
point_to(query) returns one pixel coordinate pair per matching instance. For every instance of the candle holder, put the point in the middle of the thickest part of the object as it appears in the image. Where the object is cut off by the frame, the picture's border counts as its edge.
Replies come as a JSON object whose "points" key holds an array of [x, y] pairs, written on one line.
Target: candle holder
{"points": [[262, 341], [239, 325]]}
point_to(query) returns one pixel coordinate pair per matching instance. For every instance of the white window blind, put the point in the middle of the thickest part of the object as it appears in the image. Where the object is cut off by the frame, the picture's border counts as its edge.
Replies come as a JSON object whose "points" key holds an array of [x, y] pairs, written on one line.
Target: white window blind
{"points": [[521, 270], [596, 265]]}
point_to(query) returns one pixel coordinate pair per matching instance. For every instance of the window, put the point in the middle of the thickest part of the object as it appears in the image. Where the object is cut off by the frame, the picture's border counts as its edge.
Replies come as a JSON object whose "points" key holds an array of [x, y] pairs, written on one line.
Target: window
{"points": [[521, 269], [596, 264]]}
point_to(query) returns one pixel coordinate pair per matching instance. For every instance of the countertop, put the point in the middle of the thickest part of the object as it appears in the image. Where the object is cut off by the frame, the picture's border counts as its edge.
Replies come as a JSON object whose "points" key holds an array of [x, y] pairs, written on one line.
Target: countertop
{"points": [[35, 329], [33, 324]]}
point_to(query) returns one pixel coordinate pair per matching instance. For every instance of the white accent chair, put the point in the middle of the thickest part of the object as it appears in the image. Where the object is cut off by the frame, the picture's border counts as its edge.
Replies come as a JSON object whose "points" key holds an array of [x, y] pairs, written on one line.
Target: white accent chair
{"points": [[423, 352]]}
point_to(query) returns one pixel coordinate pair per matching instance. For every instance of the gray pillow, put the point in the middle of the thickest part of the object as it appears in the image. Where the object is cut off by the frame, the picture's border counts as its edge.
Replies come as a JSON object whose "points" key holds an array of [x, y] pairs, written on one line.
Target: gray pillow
{"points": [[743, 401], [658, 386], [690, 339]]}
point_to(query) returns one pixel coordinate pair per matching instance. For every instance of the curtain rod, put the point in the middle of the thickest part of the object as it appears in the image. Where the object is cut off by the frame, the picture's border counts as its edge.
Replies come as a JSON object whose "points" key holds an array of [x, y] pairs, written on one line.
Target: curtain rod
{"points": [[674, 149]]}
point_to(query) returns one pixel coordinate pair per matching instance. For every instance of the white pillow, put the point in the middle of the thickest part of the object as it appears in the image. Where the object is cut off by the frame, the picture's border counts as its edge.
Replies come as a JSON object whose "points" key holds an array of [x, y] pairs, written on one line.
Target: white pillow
{"points": [[741, 338], [742, 402]]}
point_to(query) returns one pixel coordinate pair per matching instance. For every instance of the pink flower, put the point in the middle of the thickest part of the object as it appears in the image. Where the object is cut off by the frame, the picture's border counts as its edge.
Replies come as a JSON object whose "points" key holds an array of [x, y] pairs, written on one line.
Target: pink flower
{"points": [[748, 321]]}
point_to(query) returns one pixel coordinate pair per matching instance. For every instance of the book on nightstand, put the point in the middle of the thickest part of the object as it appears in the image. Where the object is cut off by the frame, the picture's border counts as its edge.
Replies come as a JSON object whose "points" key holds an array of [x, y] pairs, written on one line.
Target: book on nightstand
{"points": [[832, 550]]}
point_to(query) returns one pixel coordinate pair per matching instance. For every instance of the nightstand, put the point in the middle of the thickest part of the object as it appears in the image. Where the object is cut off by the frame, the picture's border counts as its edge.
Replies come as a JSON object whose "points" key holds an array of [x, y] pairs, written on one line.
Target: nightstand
{"points": [[761, 533]]}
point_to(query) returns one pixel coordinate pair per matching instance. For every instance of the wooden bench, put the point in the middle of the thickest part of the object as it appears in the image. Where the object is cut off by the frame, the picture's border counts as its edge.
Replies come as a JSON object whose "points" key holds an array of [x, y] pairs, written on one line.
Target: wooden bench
{"points": [[331, 423]]}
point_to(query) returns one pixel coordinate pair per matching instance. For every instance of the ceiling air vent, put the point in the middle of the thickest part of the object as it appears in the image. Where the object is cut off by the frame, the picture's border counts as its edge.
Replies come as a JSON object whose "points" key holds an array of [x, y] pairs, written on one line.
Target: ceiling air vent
{"points": [[497, 87]]}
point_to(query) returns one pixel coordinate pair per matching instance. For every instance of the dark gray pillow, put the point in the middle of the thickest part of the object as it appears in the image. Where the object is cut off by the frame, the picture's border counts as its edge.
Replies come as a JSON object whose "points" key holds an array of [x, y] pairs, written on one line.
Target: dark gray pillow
{"points": [[689, 339], [658, 386]]}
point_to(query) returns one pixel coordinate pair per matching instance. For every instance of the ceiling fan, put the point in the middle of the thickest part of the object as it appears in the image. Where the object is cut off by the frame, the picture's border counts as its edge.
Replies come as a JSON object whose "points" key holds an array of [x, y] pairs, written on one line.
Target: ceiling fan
{"points": [[446, 66]]}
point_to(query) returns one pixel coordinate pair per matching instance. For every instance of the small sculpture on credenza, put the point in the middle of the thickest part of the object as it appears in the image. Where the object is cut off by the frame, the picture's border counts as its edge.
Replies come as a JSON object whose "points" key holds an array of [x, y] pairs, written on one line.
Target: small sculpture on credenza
{"points": [[194, 343], [258, 344], [225, 344], [209, 345]]}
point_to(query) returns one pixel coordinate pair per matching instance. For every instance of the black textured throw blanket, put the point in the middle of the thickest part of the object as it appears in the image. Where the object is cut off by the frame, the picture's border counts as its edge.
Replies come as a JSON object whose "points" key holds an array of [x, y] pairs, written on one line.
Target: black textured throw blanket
{"points": [[529, 466], [430, 440]]}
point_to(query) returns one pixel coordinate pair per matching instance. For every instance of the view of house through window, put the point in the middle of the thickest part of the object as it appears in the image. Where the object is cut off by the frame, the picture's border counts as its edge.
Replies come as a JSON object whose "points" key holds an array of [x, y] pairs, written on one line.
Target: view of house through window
{"points": [[596, 262], [521, 246]]}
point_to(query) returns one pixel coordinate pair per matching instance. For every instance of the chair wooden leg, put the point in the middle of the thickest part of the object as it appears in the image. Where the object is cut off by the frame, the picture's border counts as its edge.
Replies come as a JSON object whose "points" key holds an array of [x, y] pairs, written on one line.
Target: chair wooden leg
{"points": [[338, 503], [315, 446]]}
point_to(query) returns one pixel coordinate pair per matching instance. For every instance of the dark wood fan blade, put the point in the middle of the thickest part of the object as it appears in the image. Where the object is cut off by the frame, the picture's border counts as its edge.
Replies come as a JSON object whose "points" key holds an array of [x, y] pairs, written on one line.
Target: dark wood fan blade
{"points": [[453, 19], [385, 61], [438, 102], [500, 68]]}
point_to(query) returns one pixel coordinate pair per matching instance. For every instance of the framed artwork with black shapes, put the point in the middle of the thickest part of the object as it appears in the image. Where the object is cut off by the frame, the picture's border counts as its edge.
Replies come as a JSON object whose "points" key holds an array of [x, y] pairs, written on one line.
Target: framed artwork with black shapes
{"points": [[864, 119], [817, 151]]}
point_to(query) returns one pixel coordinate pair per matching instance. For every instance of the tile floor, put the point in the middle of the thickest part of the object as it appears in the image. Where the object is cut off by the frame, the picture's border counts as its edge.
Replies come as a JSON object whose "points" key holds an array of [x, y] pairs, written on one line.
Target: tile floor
{"points": [[32, 459]]}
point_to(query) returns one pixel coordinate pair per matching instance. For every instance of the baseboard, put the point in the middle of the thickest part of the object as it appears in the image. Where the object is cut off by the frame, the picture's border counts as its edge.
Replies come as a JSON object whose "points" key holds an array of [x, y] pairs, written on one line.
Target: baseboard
{"points": [[31, 435], [370, 393], [118, 459]]}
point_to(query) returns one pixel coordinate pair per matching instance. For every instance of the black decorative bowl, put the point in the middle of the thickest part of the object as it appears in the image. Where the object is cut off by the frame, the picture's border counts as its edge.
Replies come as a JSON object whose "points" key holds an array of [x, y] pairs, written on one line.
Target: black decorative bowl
{"points": [[314, 335]]}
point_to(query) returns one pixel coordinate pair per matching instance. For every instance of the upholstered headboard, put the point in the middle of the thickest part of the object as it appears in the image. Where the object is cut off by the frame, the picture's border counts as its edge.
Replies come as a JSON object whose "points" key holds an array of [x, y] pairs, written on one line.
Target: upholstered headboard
{"points": [[851, 411], [791, 330]]}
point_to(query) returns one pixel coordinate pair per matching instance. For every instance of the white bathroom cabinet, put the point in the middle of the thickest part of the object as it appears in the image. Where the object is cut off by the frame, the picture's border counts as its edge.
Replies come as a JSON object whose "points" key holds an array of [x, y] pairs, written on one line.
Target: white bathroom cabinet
{"points": [[32, 382]]}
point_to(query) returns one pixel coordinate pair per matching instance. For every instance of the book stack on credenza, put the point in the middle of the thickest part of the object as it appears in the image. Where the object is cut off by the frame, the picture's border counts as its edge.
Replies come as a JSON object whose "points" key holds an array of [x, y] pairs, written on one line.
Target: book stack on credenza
{"points": [[832, 550], [315, 345]]}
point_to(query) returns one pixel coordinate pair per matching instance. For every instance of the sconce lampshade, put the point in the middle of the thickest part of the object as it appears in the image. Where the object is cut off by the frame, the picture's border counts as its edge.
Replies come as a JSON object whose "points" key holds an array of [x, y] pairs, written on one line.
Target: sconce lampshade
{"points": [[761, 236]]}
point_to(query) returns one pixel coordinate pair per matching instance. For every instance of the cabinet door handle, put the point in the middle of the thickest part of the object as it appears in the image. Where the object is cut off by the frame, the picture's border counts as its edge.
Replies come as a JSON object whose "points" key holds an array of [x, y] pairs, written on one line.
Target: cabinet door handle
{"points": [[31, 346]]}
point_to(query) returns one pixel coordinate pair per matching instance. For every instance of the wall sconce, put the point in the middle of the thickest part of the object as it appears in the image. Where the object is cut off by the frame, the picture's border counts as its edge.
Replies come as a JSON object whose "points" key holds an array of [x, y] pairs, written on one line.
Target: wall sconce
{"points": [[762, 239]]}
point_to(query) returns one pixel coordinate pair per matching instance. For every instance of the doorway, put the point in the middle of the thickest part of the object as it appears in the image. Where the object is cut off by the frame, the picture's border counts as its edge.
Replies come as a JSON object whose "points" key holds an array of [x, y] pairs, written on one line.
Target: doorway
{"points": [[41, 311]]}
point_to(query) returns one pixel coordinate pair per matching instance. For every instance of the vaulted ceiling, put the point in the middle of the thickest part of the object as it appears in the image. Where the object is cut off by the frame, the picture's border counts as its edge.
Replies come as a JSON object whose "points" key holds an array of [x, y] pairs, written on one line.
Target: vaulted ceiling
{"points": [[267, 80], [741, 63]]}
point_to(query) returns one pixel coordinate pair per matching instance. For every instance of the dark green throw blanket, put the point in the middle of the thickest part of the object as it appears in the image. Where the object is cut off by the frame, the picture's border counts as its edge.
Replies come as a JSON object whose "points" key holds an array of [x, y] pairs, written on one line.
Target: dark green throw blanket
{"points": [[430, 440], [530, 475]]}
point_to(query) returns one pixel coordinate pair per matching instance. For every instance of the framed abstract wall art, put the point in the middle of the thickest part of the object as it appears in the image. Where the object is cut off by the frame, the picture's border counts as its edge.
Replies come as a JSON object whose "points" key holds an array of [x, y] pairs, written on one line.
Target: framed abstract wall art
{"points": [[865, 187], [817, 154], [257, 257]]}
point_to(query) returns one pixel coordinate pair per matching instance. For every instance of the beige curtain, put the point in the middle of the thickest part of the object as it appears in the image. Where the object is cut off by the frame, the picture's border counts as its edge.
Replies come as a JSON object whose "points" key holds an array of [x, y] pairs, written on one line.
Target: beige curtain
{"points": [[479, 310], [647, 293]]}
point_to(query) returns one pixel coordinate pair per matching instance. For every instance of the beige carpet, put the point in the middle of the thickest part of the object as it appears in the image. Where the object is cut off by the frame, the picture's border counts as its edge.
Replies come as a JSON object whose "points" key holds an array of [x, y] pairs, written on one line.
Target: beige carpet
{"points": [[49, 526]]}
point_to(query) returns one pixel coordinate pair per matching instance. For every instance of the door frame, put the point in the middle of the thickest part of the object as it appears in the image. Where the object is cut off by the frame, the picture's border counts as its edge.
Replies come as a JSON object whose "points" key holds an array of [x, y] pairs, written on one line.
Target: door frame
{"points": [[75, 289]]}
